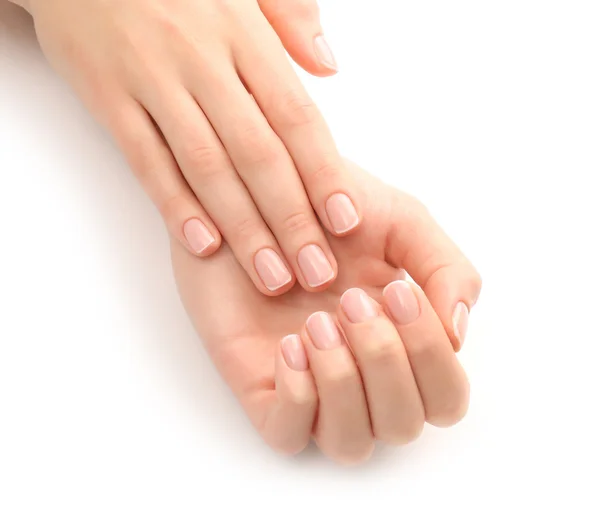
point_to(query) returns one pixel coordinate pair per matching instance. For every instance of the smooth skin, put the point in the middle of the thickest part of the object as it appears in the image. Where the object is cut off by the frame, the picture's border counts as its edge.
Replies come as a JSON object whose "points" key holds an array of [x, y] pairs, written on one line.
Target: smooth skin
{"points": [[372, 358], [171, 79]]}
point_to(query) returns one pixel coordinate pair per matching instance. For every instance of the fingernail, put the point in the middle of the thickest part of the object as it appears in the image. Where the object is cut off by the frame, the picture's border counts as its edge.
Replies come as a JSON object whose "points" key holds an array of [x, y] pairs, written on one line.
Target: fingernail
{"points": [[402, 302], [341, 212], [197, 235], [271, 269], [460, 321], [358, 306], [293, 353], [314, 265], [323, 331], [324, 54]]}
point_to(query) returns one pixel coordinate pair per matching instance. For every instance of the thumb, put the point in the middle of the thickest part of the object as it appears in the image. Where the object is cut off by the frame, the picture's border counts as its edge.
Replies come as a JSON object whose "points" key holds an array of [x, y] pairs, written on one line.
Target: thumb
{"points": [[419, 245], [298, 26]]}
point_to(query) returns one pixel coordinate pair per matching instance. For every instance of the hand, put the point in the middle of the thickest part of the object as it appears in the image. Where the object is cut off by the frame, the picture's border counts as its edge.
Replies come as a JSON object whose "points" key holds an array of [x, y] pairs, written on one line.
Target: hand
{"points": [[403, 337], [171, 80]]}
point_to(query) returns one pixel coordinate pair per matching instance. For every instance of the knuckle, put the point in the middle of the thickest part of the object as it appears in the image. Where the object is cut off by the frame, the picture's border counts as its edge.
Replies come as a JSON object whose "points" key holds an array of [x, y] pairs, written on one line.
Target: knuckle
{"points": [[301, 399], [402, 434], [425, 350], [328, 173], [341, 377], [383, 351], [288, 449], [351, 455], [296, 109], [296, 222], [169, 207], [205, 159], [247, 227], [259, 148]]}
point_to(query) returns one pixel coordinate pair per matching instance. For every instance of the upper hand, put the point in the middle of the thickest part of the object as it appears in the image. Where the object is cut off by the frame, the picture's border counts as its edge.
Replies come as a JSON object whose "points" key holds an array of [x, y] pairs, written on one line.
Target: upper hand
{"points": [[171, 80], [396, 370]]}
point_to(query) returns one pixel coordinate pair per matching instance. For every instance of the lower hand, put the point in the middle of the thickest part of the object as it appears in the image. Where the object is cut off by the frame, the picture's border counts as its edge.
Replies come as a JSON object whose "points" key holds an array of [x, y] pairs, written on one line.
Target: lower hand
{"points": [[395, 370]]}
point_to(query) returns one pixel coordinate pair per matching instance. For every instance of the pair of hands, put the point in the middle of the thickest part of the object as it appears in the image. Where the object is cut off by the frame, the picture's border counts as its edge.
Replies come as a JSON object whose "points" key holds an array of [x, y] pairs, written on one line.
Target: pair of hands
{"points": [[205, 105], [372, 358]]}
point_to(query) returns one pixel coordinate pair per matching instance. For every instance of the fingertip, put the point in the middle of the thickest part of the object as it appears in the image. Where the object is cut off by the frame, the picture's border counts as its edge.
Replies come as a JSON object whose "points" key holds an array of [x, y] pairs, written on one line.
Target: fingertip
{"points": [[199, 238], [344, 218], [317, 267]]}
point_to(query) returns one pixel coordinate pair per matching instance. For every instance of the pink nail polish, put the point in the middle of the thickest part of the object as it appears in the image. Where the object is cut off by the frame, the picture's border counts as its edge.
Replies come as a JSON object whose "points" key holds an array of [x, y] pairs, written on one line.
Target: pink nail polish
{"points": [[314, 265], [402, 302], [358, 306], [341, 213], [460, 321], [324, 53], [197, 235], [294, 353], [271, 269], [323, 331]]}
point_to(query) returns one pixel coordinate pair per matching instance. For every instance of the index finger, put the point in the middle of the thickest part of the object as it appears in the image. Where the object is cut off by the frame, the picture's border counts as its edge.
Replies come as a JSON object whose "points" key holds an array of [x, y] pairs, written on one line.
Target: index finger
{"points": [[419, 245]]}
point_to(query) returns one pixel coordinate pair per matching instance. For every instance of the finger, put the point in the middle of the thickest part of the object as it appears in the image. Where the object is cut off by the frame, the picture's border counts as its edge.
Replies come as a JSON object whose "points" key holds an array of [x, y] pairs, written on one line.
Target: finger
{"points": [[153, 164], [288, 426], [452, 285], [397, 414], [300, 125], [441, 380], [217, 185], [343, 431], [298, 25], [270, 176]]}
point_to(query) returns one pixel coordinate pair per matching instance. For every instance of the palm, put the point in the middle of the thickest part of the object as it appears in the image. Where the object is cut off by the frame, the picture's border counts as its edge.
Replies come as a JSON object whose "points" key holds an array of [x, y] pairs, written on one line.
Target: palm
{"points": [[242, 328]]}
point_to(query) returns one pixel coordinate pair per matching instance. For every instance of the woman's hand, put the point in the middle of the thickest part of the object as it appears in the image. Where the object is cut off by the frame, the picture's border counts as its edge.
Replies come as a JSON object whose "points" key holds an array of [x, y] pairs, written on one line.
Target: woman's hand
{"points": [[171, 80], [393, 368]]}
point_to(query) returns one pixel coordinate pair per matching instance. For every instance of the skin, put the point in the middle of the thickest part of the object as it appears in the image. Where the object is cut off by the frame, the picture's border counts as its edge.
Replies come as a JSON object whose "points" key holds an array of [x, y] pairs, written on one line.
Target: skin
{"points": [[385, 380], [170, 80]]}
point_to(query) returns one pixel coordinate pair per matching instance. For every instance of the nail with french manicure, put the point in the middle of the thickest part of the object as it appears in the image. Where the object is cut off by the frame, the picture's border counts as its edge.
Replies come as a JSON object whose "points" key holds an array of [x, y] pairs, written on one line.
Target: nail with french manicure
{"points": [[294, 353], [315, 266], [271, 269], [341, 213], [402, 302], [358, 306], [323, 331], [460, 321], [197, 235], [324, 53]]}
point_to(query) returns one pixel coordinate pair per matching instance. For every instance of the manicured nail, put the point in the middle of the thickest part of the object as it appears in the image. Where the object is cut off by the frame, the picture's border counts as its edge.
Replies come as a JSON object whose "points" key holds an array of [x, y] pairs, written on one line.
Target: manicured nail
{"points": [[294, 353], [324, 54], [402, 302], [197, 235], [314, 265], [341, 212], [460, 321], [271, 269], [323, 331], [358, 306]]}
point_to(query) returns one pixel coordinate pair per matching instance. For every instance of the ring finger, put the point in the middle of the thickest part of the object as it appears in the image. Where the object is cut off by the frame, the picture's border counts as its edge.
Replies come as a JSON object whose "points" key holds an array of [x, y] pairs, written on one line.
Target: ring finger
{"points": [[395, 406]]}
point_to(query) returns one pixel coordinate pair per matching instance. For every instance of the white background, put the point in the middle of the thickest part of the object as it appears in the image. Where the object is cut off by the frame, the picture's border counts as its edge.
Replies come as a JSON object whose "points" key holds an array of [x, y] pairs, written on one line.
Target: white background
{"points": [[488, 111]]}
